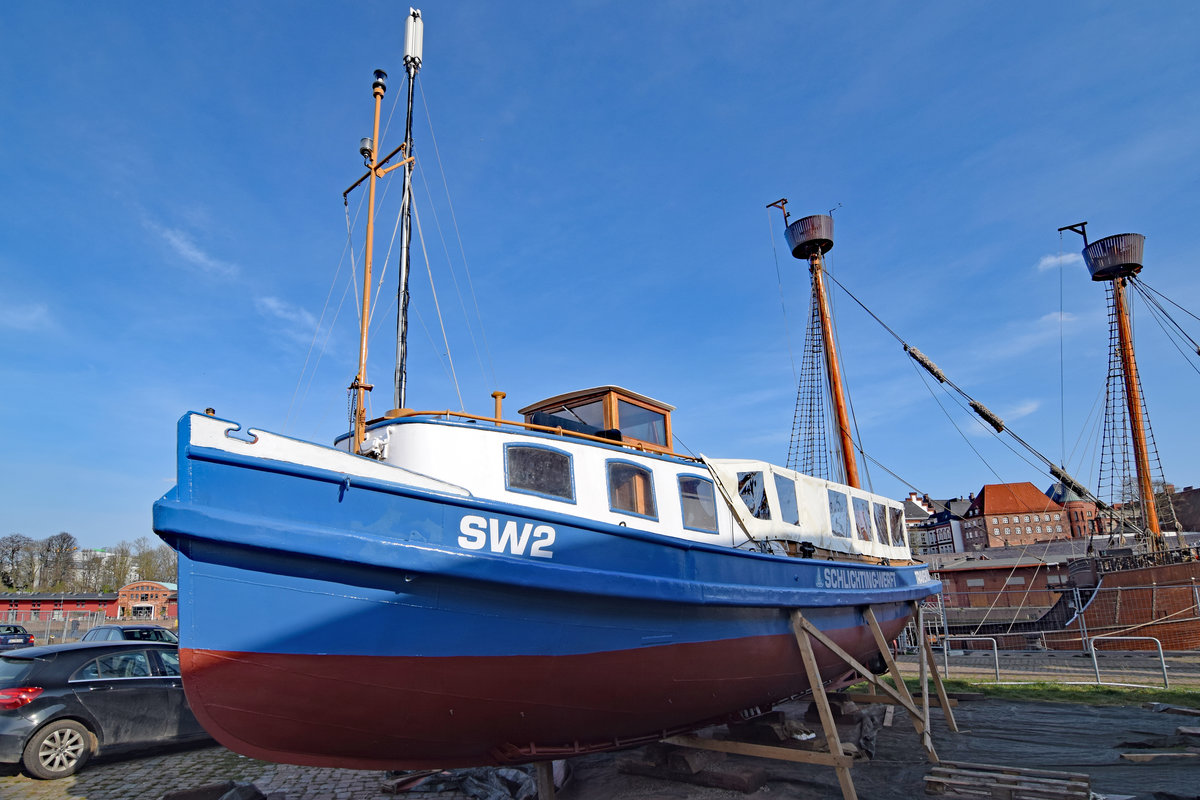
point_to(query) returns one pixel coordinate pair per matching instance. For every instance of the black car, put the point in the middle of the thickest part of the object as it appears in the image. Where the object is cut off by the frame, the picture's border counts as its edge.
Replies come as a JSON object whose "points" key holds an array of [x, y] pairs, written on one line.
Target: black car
{"points": [[14, 636], [62, 704], [140, 633]]}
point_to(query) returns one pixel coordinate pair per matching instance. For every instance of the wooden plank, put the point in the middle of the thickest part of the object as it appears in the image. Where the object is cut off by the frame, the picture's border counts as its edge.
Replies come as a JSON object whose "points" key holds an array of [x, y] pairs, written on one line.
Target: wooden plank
{"points": [[1011, 778], [961, 788], [545, 780], [1046, 773], [1146, 758]]}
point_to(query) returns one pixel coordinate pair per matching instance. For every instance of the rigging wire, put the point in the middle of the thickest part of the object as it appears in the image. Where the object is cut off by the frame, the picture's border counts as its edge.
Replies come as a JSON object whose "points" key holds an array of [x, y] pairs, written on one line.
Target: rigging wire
{"points": [[437, 306], [458, 234], [787, 334], [454, 277], [1062, 380]]}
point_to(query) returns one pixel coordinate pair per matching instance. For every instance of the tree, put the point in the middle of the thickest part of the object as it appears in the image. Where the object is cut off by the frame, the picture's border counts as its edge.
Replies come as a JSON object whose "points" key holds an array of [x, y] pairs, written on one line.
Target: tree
{"points": [[14, 557], [57, 561], [117, 568]]}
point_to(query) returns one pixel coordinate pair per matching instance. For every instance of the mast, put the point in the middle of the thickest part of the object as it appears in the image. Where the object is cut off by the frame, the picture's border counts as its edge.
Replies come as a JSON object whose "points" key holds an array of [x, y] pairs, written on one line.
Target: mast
{"points": [[413, 42], [810, 238], [1116, 259], [370, 151]]}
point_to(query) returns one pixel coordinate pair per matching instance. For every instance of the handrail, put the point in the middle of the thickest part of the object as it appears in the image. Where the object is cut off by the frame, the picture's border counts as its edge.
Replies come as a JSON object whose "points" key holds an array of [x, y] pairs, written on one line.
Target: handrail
{"points": [[639, 446], [1157, 643], [995, 650]]}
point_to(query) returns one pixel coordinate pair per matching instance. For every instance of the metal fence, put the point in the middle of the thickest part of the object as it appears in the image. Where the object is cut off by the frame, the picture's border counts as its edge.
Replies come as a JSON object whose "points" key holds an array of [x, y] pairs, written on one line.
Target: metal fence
{"points": [[1111, 636], [54, 627]]}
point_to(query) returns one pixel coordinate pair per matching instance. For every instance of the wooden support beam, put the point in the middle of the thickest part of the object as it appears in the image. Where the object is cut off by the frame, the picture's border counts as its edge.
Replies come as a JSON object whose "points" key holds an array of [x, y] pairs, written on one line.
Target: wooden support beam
{"points": [[901, 686], [545, 780], [919, 720], [801, 629], [937, 681], [885, 700], [762, 750]]}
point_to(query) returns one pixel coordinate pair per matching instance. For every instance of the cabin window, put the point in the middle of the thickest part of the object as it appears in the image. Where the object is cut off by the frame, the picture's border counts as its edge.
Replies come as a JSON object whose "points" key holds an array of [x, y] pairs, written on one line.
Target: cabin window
{"points": [[975, 583], [631, 489], [1015, 582], [642, 423], [881, 532], [539, 470], [789, 512], [699, 502], [862, 518], [753, 490], [839, 514], [897, 518]]}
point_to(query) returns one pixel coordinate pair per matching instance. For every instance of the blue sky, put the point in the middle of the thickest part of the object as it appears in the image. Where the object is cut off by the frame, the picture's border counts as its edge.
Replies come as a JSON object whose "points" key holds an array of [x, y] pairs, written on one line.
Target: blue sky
{"points": [[172, 221]]}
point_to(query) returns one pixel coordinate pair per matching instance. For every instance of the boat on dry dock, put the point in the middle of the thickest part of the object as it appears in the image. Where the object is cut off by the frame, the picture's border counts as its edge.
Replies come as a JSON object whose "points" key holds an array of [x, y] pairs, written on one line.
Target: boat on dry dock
{"points": [[440, 589]]}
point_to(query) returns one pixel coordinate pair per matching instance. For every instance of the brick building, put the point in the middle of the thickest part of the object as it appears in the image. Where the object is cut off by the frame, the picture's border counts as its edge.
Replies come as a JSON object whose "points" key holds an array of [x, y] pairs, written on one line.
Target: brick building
{"points": [[1080, 514], [1012, 514], [149, 600]]}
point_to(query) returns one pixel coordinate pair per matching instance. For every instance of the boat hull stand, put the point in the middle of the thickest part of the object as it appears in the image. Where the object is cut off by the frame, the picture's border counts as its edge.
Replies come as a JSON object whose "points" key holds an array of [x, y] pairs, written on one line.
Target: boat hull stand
{"points": [[333, 618]]}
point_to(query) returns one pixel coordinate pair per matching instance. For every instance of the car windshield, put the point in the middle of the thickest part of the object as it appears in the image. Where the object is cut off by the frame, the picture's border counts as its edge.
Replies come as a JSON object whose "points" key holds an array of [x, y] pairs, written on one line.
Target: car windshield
{"points": [[14, 670], [151, 635]]}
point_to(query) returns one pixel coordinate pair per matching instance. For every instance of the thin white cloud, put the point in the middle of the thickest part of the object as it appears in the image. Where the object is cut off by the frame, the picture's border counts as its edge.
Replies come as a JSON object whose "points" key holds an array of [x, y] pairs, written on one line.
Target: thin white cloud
{"points": [[296, 323], [1021, 338], [1065, 259], [186, 248], [26, 317]]}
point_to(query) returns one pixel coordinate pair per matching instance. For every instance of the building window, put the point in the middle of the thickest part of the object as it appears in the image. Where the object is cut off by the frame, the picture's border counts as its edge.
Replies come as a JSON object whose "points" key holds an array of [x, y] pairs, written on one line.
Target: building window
{"points": [[1015, 582], [995, 531], [1027, 518], [1004, 520], [1007, 531], [993, 520], [1028, 529], [1058, 528], [1057, 517]]}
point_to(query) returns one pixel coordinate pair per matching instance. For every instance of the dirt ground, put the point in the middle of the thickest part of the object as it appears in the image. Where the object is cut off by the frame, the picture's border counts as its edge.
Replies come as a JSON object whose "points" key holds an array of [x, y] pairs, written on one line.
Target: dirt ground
{"points": [[1035, 735]]}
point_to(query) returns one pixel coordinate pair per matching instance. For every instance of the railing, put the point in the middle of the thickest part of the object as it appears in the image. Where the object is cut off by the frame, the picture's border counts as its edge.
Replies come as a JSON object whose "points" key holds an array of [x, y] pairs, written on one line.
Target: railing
{"points": [[1157, 643], [1152, 559], [995, 650]]}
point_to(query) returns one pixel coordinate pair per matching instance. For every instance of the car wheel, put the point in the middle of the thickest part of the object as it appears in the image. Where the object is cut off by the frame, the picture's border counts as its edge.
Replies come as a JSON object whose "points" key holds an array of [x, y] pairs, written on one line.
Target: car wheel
{"points": [[57, 750]]}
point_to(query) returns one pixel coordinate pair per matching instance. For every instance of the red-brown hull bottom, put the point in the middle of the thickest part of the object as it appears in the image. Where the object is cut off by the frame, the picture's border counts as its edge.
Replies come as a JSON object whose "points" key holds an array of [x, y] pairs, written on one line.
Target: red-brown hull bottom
{"points": [[370, 712]]}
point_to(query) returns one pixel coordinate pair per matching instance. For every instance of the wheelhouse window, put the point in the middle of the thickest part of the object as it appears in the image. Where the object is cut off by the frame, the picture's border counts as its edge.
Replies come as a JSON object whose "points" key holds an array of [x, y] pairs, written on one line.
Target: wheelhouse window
{"points": [[631, 489], [641, 423], [699, 502], [539, 470], [785, 488], [753, 491], [839, 514], [862, 518], [897, 519], [880, 513]]}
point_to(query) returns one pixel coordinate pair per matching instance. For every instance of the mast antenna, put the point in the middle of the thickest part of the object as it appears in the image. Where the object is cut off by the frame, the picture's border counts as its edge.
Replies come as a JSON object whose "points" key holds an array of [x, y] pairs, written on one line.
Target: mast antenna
{"points": [[414, 36]]}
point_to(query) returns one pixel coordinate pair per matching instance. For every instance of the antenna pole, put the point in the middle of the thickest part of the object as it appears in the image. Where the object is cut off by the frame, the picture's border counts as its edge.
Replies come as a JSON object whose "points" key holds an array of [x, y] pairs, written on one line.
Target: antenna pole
{"points": [[413, 42], [360, 386]]}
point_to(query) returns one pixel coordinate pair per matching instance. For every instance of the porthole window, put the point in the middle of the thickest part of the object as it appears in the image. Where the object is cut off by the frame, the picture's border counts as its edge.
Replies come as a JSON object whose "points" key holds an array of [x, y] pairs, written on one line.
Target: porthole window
{"points": [[699, 502], [631, 489], [539, 470]]}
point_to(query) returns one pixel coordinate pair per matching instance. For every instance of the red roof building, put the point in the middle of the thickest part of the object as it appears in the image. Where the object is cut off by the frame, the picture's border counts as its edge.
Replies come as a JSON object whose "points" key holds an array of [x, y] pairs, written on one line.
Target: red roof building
{"points": [[1012, 514]]}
